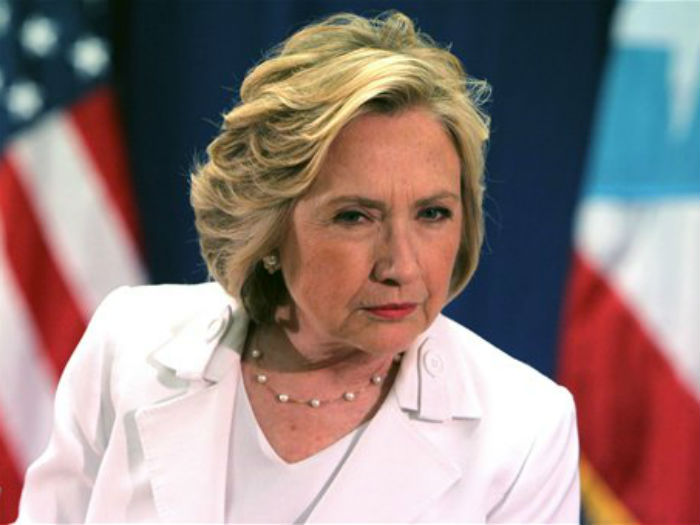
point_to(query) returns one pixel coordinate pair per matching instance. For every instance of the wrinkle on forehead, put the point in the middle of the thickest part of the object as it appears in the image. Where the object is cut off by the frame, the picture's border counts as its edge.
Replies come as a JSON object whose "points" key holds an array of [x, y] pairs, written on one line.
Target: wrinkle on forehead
{"points": [[385, 173]]}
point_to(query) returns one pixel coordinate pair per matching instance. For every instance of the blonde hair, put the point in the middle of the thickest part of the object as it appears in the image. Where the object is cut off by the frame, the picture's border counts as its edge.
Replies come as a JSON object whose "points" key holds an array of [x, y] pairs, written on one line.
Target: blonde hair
{"points": [[292, 105]]}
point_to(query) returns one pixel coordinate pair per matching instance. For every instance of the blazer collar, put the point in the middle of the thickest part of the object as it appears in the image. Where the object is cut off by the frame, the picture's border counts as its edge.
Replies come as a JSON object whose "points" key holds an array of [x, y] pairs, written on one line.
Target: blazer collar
{"points": [[395, 470], [434, 382], [197, 350]]}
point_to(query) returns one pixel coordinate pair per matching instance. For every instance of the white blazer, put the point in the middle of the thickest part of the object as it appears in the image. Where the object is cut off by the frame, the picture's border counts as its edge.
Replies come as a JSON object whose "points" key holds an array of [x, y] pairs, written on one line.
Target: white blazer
{"points": [[143, 413]]}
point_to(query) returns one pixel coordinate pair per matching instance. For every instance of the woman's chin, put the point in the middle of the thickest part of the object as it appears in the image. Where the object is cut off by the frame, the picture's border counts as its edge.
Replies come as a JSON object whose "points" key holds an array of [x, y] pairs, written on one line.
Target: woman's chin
{"points": [[397, 336], [389, 340]]}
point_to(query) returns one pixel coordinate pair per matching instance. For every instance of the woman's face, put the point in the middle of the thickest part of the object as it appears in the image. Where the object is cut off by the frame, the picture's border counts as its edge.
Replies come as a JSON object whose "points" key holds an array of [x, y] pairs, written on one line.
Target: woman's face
{"points": [[371, 247]]}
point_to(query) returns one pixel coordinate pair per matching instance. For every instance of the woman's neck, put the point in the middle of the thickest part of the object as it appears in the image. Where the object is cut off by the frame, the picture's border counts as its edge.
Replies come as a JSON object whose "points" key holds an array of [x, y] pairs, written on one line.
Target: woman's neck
{"points": [[324, 373], [287, 352]]}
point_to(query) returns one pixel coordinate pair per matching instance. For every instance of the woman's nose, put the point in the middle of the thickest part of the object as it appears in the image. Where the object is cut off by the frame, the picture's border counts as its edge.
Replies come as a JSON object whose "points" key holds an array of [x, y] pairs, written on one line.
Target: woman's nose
{"points": [[396, 261]]}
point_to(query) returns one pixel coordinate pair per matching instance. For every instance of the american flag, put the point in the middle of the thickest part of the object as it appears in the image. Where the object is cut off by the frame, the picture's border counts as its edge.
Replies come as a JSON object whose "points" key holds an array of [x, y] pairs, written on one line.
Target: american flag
{"points": [[68, 224]]}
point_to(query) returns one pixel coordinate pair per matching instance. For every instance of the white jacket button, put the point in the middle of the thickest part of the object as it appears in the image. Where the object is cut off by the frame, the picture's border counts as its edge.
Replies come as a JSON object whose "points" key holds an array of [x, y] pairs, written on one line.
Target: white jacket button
{"points": [[433, 363]]}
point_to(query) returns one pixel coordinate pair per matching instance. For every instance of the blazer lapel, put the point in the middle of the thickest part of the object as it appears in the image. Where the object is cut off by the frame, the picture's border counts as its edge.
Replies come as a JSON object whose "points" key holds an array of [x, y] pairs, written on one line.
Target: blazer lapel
{"points": [[185, 442], [185, 438], [393, 473]]}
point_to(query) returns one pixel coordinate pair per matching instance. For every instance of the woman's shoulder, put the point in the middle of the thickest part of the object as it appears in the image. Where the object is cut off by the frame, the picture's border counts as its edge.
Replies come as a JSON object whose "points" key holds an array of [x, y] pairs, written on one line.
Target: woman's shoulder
{"points": [[120, 352], [150, 311], [498, 378], [518, 439], [166, 301], [131, 323]]}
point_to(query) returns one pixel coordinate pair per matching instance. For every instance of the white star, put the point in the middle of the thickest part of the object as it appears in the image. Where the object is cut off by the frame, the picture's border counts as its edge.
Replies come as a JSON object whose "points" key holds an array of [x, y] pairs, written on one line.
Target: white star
{"points": [[5, 17], [673, 26], [39, 35], [89, 56], [24, 100]]}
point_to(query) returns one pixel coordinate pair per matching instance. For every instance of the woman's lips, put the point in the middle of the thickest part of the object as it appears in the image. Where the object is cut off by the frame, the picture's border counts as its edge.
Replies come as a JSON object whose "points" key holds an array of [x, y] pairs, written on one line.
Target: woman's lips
{"points": [[392, 311]]}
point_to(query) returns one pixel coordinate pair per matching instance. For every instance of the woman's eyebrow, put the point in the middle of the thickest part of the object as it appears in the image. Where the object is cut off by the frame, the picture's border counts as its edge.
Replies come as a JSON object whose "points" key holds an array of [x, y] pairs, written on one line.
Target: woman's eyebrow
{"points": [[360, 200], [438, 197], [366, 202]]}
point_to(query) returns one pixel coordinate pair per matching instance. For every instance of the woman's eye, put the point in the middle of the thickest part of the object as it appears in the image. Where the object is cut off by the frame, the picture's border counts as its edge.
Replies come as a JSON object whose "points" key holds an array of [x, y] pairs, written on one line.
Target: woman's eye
{"points": [[350, 217], [435, 213]]}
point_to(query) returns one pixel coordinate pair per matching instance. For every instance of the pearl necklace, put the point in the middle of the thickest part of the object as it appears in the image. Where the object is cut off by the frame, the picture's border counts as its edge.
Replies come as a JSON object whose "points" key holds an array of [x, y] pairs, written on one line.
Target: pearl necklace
{"points": [[375, 379]]}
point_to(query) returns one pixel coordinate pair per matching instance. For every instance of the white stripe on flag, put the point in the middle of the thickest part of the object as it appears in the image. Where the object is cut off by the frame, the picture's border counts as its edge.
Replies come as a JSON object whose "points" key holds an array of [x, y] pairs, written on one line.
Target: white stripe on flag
{"points": [[650, 253], [26, 381], [82, 226]]}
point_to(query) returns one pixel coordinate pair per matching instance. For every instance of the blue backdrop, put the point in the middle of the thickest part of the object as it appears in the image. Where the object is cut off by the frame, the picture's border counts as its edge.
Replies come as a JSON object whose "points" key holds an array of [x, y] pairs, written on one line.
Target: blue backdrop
{"points": [[178, 66]]}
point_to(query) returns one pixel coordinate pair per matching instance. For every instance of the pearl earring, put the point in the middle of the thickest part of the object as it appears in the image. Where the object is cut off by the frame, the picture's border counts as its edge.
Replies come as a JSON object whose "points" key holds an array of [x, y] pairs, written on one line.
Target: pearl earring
{"points": [[271, 263]]}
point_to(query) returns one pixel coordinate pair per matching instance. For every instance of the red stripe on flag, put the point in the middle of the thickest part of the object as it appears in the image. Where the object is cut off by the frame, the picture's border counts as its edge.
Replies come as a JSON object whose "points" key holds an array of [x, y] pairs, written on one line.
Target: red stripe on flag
{"points": [[10, 482], [96, 119], [639, 425], [54, 312]]}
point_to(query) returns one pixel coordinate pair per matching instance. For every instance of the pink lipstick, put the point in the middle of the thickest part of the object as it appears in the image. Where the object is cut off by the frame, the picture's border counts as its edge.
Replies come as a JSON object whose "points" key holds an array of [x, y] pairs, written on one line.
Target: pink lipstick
{"points": [[393, 311]]}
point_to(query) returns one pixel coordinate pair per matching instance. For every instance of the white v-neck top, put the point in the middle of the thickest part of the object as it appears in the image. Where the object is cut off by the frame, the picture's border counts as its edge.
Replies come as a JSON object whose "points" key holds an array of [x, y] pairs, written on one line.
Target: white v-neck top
{"points": [[264, 488]]}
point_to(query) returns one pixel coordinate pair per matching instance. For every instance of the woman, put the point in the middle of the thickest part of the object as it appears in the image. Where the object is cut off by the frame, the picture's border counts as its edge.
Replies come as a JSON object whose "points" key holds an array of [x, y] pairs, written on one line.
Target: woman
{"points": [[315, 379]]}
